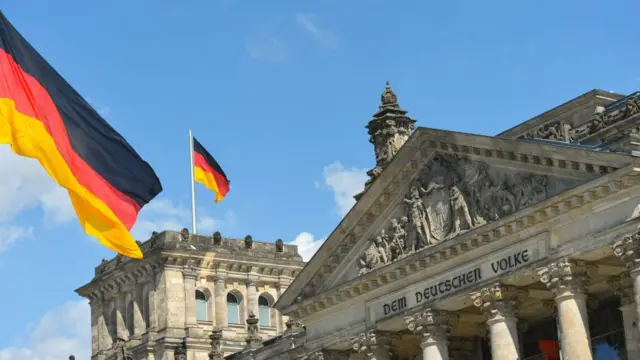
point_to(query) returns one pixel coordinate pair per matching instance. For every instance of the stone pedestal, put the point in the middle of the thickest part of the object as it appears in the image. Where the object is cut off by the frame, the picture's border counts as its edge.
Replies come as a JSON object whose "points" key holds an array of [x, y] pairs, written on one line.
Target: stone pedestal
{"points": [[567, 280], [433, 326], [499, 305]]}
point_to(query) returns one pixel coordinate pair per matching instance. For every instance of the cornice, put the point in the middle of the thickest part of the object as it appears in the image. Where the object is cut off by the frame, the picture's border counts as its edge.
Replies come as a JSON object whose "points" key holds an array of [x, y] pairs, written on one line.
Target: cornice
{"points": [[523, 220], [415, 154]]}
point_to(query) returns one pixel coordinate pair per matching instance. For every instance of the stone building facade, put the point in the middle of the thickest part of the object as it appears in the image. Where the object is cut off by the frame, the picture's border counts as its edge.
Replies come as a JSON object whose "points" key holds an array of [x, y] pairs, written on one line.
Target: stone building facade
{"points": [[524, 245], [167, 305]]}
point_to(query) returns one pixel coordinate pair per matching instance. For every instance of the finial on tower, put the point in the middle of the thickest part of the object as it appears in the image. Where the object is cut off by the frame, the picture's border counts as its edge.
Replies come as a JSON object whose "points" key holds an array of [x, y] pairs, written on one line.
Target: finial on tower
{"points": [[389, 129], [388, 98]]}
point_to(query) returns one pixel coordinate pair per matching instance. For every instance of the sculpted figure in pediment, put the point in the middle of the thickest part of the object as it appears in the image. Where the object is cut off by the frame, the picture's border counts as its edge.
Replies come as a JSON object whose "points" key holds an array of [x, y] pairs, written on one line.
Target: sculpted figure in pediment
{"points": [[453, 195]]}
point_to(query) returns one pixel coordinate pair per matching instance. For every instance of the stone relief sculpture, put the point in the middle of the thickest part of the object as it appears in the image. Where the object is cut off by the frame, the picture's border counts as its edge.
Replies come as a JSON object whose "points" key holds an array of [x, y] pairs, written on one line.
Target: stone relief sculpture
{"points": [[564, 132], [451, 196]]}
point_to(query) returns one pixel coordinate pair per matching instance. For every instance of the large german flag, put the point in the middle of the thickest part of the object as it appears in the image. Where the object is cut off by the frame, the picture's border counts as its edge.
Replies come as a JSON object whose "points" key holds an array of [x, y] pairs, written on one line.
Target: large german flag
{"points": [[208, 172], [43, 117]]}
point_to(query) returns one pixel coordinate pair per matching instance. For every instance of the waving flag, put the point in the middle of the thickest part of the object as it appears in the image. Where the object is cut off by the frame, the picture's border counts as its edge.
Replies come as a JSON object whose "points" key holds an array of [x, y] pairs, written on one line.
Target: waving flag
{"points": [[208, 172], [43, 117]]}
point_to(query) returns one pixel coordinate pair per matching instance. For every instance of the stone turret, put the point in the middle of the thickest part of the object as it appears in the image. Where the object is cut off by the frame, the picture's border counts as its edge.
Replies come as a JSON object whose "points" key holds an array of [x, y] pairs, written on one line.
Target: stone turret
{"points": [[389, 129]]}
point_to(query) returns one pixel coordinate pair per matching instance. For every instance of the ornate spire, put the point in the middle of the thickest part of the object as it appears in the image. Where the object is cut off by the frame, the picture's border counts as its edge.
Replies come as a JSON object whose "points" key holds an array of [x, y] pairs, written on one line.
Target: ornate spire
{"points": [[388, 98], [388, 130]]}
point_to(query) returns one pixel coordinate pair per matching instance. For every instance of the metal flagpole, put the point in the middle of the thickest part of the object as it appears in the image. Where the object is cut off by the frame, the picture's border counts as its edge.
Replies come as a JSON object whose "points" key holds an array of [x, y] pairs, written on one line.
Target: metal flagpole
{"points": [[193, 186]]}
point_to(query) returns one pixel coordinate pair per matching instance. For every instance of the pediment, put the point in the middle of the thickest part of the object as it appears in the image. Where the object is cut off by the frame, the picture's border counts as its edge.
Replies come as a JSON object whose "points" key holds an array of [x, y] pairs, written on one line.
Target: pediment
{"points": [[442, 185], [449, 196]]}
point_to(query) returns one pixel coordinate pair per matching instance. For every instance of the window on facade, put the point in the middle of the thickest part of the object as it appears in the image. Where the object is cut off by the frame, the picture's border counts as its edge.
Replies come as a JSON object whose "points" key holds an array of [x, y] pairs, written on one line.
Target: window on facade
{"points": [[201, 306], [233, 309], [264, 311]]}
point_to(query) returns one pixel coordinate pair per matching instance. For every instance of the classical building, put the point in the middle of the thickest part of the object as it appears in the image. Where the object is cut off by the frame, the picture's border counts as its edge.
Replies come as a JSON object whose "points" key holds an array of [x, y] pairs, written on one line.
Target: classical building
{"points": [[524, 245], [167, 305]]}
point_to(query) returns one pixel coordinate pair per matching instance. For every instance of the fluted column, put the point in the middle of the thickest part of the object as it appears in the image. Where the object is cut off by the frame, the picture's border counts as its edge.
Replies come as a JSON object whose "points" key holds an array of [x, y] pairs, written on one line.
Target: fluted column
{"points": [[624, 289], [139, 325], [220, 298], [372, 345], [567, 280], [628, 250], [499, 305], [433, 326], [189, 275]]}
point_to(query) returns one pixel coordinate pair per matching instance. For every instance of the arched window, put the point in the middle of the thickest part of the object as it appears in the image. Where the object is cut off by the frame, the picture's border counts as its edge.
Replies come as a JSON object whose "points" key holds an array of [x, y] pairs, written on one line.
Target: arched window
{"points": [[233, 309], [202, 313], [264, 311]]}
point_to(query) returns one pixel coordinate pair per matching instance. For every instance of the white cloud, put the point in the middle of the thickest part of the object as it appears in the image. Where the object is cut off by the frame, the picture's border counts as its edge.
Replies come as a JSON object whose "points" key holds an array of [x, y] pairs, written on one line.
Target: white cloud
{"points": [[60, 332], [11, 234], [25, 185], [309, 24], [162, 214], [266, 47], [307, 245], [345, 183]]}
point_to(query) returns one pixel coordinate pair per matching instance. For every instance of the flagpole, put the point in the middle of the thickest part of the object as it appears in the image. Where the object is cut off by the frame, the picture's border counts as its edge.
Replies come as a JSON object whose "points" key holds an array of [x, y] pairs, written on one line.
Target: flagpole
{"points": [[193, 187]]}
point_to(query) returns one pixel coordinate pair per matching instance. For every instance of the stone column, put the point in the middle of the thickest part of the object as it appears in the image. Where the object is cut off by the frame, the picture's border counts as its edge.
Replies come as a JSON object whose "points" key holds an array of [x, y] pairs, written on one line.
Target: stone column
{"points": [[121, 310], [100, 338], [150, 293], [372, 345], [190, 319], [279, 319], [252, 297], [628, 250], [433, 326], [567, 280], [499, 305], [139, 325], [220, 298], [624, 289]]}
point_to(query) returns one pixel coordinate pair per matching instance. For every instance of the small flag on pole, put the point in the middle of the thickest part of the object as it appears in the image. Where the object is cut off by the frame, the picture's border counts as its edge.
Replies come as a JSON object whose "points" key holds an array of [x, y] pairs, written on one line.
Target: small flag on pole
{"points": [[43, 117], [208, 172]]}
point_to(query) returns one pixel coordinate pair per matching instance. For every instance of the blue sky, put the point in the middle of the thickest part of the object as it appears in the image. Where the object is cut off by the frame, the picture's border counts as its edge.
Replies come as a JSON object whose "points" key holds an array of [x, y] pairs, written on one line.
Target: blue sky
{"points": [[279, 92]]}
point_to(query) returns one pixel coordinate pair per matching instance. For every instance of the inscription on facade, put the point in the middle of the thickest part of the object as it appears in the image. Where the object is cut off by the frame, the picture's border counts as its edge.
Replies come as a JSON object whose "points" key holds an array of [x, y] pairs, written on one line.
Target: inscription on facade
{"points": [[467, 276]]}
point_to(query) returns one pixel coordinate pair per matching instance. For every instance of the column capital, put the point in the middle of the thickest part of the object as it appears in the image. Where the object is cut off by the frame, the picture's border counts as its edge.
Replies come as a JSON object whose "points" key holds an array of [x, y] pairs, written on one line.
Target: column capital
{"points": [[498, 301], [221, 275], [190, 273], [369, 342], [433, 325], [628, 250], [623, 287], [567, 278]]}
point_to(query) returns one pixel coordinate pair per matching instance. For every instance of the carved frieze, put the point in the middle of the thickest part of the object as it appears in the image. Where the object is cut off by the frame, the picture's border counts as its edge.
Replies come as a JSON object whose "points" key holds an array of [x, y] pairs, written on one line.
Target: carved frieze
{"points": [[451, 196], [564, 132]]}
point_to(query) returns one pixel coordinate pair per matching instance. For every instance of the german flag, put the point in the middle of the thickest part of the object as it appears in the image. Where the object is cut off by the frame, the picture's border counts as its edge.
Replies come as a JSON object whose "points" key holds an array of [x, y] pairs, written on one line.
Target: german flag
{"points": [[208, 172], [43, 117]]}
